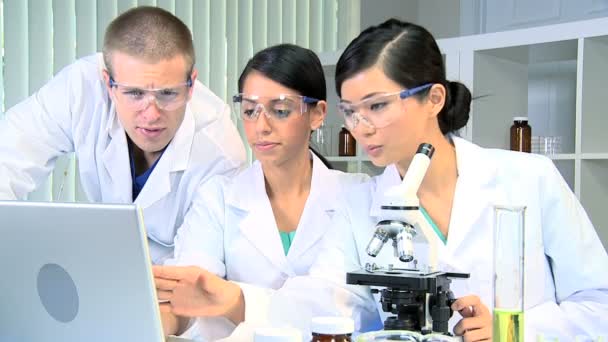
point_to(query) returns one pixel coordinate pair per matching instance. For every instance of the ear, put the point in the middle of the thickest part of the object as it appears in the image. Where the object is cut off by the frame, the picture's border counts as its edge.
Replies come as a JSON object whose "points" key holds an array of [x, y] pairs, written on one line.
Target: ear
{"points": [[436, 99], [317, 115], [106, 79], [193, 76]]}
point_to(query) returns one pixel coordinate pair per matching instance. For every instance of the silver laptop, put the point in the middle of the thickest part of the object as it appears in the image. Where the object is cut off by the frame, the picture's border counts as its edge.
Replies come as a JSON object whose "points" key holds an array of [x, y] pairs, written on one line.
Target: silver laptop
{"points": [[75, 272]]}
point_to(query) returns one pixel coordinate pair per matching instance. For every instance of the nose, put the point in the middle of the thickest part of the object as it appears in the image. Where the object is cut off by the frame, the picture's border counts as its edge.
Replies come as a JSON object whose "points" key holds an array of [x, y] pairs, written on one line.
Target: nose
{"points": [[151, 112], [363, 127], [262, 123]]}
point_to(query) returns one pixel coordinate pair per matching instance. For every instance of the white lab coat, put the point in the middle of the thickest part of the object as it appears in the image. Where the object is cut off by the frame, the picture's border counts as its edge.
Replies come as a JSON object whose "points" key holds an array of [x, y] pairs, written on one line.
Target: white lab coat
{"points": [[566, 268], [74, 113], [234, 232]]}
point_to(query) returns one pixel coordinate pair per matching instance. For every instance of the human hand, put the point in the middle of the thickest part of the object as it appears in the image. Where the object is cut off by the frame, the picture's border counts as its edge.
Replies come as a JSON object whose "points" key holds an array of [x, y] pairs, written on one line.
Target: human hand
{"points": [[193, 292], [476, 324]]}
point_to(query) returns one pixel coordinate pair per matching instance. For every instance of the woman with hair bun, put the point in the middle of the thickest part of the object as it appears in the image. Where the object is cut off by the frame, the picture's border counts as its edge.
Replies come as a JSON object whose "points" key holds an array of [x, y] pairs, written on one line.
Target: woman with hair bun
{"points": [[394, 96]]}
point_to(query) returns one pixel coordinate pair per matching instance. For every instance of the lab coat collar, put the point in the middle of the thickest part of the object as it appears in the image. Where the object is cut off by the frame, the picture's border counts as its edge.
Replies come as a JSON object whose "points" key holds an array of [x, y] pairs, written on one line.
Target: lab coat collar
{"points": [[318, 210], [248, 194], [116, 161], [174, 159], [474, 188]]}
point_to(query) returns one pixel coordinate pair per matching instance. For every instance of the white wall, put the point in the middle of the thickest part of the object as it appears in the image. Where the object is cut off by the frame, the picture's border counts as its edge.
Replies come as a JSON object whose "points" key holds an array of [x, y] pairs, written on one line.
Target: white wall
{"points": [[452, 18], [373, 12], [441, 17]]}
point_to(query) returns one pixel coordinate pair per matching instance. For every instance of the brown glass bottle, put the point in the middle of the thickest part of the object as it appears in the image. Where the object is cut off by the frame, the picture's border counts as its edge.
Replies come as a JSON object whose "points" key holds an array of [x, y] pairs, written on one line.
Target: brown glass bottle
{"points": [[346, 145], [332, 329], [331, 338], [521, 135]]}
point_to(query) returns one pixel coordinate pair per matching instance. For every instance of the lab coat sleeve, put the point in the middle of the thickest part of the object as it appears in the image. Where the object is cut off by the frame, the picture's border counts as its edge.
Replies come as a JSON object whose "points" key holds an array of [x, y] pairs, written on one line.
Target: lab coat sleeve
{"points": [[323, 292], [200, 239], [200, 242], [35, 132], [578, 261]]}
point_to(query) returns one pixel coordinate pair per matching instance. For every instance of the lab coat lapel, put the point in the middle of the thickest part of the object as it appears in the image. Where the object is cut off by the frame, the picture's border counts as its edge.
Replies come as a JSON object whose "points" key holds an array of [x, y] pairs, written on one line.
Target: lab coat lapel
{"points": [[318, 210], [258, 225], [174, 159], [116, 161], [475, 190]]}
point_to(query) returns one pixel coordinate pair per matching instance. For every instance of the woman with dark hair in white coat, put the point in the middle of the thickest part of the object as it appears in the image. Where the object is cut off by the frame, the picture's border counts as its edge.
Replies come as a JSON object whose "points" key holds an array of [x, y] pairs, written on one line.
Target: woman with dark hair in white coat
{"points": [[394, 96], [264, 225]]}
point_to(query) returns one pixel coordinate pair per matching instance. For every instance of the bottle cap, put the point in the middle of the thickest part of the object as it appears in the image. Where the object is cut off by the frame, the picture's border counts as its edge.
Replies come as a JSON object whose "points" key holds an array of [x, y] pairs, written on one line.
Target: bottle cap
{"points": [[520, 118], [333, 325], [277, 335]]}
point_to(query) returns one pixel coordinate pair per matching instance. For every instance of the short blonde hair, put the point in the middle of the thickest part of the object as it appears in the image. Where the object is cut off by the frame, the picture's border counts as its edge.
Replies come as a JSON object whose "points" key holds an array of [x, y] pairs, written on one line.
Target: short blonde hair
{"points": [[149, 33]]}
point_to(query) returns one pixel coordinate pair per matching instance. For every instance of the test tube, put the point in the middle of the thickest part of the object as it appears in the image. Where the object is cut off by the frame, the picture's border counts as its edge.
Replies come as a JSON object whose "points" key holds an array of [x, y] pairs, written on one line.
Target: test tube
{"points": [[509, 229]]}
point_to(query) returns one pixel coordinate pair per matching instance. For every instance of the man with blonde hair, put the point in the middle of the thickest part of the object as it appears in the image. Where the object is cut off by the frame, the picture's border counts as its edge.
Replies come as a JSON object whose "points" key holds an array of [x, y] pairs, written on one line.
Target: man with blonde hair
{"points": [[144, 130]]}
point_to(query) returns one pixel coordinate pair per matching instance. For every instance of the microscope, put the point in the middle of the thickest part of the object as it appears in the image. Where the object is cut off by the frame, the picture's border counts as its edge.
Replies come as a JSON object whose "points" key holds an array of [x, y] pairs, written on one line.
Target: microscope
{"points": [[420, 297]]}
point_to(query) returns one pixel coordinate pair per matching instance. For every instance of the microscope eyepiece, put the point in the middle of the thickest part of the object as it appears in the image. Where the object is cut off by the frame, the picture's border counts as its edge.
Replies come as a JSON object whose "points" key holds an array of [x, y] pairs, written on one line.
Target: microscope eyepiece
{"points": [[426, 149]]}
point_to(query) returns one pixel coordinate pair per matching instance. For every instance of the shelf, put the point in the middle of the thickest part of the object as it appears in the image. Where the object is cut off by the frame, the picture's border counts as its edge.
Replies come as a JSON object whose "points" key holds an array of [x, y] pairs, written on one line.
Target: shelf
{"points": [[566, 168], [344, 159], [594, 191], [561, 156], [594, 156], [538, 81], [595, 73], [369, 168]]}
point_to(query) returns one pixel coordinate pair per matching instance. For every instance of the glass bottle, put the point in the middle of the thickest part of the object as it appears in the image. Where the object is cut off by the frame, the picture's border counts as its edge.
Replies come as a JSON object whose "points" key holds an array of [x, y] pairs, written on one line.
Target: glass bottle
{"points": [[509, 259], [332, 329], [346, 145], [521, 135]]}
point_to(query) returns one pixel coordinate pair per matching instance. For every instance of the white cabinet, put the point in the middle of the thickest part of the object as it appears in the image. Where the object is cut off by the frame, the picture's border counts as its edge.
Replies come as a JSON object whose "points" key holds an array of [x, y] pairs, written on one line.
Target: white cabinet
{"points": [[556, 75]]}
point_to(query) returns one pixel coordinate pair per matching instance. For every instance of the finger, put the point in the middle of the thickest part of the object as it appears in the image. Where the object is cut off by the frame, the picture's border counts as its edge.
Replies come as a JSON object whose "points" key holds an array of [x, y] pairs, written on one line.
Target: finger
{"points": [[477, 335], [164, 295], [465, 301], [467, 311], [165, 307], [169, 272], [470, 323], [165, 284], [472, 301]]}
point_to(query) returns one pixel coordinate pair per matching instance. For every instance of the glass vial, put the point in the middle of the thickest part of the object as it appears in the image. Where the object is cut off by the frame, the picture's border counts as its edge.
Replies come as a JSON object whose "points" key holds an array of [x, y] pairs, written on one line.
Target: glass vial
{"points": [[509, 259], [332, 329], [346, 145], [521, 135]]}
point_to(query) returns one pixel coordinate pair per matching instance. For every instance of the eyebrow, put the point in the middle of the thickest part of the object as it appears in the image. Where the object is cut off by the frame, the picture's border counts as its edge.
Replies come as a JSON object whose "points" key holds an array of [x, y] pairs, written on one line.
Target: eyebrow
{"points": [[370, 95]]}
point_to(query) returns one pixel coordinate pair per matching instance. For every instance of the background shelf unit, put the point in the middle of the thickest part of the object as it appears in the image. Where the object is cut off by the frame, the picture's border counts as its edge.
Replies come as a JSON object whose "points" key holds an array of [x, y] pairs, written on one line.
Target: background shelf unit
{"points": [[555, 75]]}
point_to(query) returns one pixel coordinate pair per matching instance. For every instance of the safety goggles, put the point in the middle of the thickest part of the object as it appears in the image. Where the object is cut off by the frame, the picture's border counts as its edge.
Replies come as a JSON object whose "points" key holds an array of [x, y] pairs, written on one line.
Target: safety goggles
{"points": [[375, 111], [277, 108], [138, 99]]}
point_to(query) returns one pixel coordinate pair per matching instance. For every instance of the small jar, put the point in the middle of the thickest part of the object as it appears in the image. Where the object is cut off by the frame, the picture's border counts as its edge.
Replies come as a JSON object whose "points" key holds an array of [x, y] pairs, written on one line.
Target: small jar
{"points": [[332, 329], [521, 135], [346, 145]]}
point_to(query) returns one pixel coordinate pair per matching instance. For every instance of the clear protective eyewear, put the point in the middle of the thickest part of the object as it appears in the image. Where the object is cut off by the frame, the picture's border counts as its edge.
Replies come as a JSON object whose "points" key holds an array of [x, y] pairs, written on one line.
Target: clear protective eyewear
{"points": [[138, 99], [278, 108], [375, 111]]}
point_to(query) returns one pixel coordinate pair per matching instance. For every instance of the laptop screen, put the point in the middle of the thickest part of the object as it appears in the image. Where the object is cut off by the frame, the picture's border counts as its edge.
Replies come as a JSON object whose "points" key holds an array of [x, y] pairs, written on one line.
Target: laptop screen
{"points": [[75, 272]]}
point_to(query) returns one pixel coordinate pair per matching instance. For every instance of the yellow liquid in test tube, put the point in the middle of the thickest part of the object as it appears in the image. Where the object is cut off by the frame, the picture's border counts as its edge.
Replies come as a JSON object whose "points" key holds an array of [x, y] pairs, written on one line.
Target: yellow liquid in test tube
{"points": [[508, 326]]}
